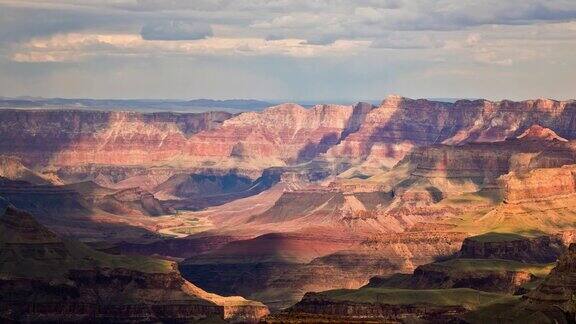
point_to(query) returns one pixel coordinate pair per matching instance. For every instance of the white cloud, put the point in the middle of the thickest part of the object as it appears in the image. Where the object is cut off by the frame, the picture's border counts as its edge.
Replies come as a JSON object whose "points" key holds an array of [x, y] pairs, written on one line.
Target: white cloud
{"points": [[74, 47]]}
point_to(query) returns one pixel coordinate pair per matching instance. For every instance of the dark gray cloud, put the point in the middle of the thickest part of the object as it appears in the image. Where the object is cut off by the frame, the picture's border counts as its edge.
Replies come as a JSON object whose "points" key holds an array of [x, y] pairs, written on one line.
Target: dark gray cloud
{"points": [[322, 40], [175, 30], [318, 21], [18, 24]]}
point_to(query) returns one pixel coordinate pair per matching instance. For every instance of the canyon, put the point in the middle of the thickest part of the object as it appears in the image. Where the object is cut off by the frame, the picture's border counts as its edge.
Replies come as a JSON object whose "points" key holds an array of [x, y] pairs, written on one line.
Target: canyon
{"points": [[316, 212], [47, 278]]}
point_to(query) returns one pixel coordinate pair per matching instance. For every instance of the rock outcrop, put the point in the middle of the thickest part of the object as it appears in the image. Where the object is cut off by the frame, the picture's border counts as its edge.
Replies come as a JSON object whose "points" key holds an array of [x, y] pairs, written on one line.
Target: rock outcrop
{"points": [[541, 249], [279, 268], [475, 166], [539, 184], [45, 278], [556, 294], [11, 168], [552, 301], [133, 200], [500, 276], [75, 137], [391, 130], [386, 305]]}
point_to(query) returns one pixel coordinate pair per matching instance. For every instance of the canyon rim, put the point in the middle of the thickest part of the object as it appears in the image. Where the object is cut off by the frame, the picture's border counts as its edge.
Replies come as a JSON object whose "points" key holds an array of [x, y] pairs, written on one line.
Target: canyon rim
{"points": [[397, 161]]}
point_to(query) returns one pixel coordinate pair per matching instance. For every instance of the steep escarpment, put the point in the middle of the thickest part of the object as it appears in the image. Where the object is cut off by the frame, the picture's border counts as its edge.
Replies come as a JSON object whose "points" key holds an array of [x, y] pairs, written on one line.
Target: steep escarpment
{"points": [[552, 301], [557, 290], [284, 134], [279, 135], [399, 124], [540, 184], [502, 263], [73, 137], [46, 278], [393, 129], [471, 167], [129, 149], [362, 136], [279, 268], [387, 305], [541, 249]]}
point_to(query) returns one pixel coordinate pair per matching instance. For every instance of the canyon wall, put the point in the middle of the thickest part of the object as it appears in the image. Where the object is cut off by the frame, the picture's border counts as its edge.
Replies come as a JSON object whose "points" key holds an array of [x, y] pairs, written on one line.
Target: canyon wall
{"points": [[281, 135], [44, 278], [399, 124], [73, 137], [539, 184]]}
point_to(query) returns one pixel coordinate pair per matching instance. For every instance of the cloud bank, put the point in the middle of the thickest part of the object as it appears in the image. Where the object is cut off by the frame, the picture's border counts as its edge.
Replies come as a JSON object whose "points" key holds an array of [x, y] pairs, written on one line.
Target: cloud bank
{"points": [[387, 46]]}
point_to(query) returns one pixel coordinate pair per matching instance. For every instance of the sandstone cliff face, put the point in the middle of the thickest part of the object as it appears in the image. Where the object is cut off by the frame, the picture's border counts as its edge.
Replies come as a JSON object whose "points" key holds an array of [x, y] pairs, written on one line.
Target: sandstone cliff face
{"points": [[542, 249], [287, 133], [399, 124], [394, 128], [73, 137], [557, 292], [446, 170], [539, 184], [315, 309]]}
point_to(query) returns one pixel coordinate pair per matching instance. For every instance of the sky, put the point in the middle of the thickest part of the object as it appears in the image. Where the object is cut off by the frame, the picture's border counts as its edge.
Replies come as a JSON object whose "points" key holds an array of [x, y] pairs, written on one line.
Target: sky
{"points": [[325, 50]]}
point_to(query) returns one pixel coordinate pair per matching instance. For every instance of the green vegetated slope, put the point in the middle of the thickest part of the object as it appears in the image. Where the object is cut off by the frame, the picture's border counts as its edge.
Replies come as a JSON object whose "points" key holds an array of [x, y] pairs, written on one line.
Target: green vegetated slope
{"points": [[28, 250], [471, 265], [469, 298]]}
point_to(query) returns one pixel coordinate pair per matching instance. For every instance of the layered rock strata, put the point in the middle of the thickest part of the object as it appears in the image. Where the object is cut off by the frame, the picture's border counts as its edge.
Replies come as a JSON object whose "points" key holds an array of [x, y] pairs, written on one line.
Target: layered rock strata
{"points": [[44, 278]]}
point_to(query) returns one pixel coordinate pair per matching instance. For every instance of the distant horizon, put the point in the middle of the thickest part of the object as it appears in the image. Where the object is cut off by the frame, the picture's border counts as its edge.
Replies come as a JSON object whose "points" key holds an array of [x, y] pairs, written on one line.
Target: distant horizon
{"points": [[273, 100]]}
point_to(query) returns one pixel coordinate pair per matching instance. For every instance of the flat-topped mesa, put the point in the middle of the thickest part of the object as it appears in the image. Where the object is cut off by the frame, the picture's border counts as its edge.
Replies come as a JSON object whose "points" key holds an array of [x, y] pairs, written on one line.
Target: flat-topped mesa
{"points": [[294, 116], [550, 106]]}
